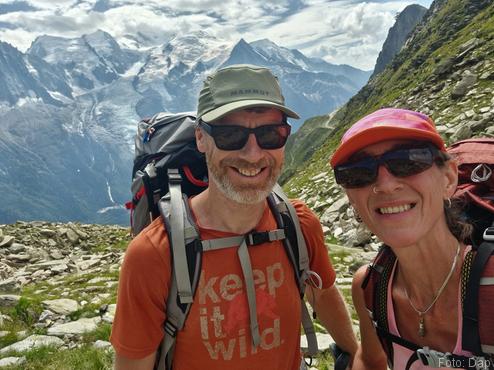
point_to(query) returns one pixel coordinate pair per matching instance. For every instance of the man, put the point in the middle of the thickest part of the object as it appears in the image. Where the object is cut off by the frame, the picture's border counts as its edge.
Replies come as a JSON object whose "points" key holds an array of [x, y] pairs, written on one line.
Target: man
{"points": [[242, 130]]}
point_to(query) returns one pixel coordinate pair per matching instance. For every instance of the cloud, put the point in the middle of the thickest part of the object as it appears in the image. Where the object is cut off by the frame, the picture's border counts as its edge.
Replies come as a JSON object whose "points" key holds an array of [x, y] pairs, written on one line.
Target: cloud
{"points": [[340, 31], [17, 6]]}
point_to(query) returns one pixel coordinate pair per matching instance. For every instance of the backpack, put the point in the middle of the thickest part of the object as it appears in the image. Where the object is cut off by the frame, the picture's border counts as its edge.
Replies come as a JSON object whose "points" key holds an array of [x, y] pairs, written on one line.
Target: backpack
{"points": [[168, 169], [166, 140], [475, 159]]}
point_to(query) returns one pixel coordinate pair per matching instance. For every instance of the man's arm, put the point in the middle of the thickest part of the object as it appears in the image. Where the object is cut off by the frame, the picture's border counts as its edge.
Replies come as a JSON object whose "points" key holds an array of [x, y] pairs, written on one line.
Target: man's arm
{"points": [[370, 355], [123, 363], [331, 310]]}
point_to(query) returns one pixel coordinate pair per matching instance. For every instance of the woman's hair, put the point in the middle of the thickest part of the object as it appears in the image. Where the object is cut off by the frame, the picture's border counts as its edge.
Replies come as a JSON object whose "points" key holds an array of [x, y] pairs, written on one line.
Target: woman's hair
{"points": [[461, 229]]}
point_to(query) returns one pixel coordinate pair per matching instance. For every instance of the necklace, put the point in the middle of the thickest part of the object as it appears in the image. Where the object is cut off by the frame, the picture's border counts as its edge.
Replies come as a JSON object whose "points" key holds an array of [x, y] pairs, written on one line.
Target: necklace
{"points": [[421, 313]]}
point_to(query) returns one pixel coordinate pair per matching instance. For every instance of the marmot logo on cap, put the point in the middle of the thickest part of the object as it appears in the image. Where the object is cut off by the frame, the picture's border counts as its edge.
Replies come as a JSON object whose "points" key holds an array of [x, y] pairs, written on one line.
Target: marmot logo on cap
{"points": [[249, 91]]}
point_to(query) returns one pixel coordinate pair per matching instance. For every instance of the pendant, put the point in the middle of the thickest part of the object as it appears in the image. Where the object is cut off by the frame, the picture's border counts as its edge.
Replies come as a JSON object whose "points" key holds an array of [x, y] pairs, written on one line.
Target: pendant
{"points": [[421, 326]]}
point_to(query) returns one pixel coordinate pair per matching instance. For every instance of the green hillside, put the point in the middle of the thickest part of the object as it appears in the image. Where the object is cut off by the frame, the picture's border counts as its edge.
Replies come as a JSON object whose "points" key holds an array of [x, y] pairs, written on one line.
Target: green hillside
{"points": [[446, 70]]}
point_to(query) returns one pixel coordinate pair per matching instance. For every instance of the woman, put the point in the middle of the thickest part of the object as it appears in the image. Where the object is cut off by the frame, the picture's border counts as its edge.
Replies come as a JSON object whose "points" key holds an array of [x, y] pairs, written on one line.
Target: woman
{"points": [[399, 180]]}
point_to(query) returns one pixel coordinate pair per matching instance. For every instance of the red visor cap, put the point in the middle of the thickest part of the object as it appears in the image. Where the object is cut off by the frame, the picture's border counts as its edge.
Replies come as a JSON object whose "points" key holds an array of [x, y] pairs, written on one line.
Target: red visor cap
{"points": [[386, 124]]}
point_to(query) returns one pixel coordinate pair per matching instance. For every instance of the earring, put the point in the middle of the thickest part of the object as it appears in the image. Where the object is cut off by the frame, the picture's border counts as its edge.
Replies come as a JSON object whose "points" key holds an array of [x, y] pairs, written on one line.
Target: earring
{"points": [[356, 215], [447, 202], [374, 189]]}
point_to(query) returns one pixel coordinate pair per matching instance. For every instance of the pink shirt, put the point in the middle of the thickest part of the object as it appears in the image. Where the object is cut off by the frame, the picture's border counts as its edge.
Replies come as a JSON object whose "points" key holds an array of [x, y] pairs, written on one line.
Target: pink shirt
{"points": [[402, 354]]}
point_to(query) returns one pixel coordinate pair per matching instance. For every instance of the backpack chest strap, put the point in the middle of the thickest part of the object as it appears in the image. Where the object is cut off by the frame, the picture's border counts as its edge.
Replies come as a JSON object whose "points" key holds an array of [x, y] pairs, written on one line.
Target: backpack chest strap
{"points": [[251, 239]]}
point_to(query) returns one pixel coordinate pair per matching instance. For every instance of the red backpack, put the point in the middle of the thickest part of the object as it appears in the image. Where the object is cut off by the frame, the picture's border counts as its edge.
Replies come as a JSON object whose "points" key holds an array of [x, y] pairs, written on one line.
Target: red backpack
{"points": [[475, 159]]}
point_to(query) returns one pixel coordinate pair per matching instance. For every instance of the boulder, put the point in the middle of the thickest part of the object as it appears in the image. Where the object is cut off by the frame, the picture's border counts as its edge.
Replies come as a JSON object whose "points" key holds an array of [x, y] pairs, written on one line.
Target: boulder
{"points": [[12, 361], [62, 306], [464, 132], [78, 327], [463, 86], [102, 344], [32, 342], [6, 241], [9, 300], [323, 341]]}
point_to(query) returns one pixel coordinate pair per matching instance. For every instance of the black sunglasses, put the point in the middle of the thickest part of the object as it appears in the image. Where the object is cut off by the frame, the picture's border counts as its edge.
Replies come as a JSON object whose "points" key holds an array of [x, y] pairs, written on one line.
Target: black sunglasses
{"points": [[399, 162], [234, 137]]}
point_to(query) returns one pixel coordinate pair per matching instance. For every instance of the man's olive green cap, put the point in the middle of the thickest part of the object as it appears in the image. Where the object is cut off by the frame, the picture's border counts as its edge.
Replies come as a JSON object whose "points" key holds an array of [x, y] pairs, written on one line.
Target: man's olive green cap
{"points": [[237, 87]]}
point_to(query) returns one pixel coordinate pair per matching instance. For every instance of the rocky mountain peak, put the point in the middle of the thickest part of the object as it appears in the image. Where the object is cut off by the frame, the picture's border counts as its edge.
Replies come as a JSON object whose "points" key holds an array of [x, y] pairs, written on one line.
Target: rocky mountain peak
{"points": [[101, 41], [20, 80], [398, 34], [244, 53]]}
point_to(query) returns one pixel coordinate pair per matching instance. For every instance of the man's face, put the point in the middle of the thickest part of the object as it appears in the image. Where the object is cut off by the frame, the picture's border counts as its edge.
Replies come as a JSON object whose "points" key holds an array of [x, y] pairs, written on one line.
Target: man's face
{"points": [[246, 175]]}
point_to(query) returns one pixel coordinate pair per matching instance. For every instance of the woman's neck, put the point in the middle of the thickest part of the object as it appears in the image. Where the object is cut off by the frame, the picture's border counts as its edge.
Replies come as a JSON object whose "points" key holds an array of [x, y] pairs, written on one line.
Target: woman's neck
{"points": [[424, 266]]}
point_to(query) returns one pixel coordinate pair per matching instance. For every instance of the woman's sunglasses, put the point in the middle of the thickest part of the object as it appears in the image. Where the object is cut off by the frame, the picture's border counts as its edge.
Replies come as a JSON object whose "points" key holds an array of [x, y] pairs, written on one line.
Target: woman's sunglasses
{"points": [[234, 137], [400, 163]]}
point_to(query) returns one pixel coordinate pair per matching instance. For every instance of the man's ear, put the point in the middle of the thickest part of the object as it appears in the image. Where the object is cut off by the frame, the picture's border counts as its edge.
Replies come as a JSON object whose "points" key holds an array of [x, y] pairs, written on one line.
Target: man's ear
{"points": [[200, 140]]}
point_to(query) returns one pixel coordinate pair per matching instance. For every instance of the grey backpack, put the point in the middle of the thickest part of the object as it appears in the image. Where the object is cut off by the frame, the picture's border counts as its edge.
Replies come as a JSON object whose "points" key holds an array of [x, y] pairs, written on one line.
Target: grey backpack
{"points": [[164, 141], [168, 169]]}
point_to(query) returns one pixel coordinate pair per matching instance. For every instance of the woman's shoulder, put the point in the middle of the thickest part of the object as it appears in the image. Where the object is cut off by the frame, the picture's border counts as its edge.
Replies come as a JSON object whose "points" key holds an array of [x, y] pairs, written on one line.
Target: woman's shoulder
{"points": [[359, 277]]}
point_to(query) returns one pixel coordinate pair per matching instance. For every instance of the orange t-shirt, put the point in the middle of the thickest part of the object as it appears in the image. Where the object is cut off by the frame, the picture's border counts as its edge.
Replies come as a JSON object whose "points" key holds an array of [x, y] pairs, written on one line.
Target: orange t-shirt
{"points": [[216, 334]]}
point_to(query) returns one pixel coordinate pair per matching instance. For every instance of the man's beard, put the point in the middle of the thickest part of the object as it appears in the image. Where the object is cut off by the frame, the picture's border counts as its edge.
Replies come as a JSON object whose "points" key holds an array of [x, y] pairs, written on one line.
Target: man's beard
{"points": [[243, 194]]}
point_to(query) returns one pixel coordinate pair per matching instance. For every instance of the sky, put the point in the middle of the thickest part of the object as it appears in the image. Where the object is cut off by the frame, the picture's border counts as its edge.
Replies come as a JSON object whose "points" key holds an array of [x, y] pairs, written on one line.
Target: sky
{"points": [[339, 31]]}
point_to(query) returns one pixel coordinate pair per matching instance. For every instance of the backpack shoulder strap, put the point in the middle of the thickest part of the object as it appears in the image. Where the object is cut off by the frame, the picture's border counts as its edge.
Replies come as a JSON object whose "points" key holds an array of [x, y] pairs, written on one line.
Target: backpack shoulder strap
{"points": [[479, 288], [186, 253], [296, 249], [286, 205], [176, 235], [486, 302], [375, 286]]}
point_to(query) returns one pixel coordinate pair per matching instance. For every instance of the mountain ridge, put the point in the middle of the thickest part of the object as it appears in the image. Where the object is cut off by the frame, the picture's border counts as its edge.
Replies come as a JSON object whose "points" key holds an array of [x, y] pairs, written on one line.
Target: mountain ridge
{"points": [[70, 108]]}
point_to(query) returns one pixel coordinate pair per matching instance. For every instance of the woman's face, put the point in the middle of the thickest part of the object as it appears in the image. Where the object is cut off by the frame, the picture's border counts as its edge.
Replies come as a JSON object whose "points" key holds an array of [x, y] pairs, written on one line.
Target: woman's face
{"points": [[403, 211]]}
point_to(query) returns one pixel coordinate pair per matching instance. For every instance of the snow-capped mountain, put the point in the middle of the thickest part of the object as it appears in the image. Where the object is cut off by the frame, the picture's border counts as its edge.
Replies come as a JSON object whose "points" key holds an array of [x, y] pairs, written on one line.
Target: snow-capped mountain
{"points": [[69, 108], [88, 62], [24, 78]]}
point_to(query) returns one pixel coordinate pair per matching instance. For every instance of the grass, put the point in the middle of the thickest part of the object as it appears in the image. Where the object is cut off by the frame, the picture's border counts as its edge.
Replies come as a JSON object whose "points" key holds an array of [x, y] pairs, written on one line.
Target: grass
{"points": [[49, 358], [118, 246], [101, 333]]}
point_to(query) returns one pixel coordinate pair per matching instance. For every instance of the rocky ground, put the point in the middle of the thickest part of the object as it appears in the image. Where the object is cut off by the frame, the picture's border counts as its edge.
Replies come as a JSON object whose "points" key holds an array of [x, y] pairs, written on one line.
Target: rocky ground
{"points": [[58, 284], [58, 291]]}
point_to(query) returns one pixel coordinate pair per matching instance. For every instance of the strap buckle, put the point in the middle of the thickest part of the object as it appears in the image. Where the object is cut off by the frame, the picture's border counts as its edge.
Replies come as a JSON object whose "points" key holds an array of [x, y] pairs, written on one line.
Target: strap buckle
{"points": [[259, 237], [170, 328], [174, 176], [256, 238], [489, 234], [434, 359]]}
